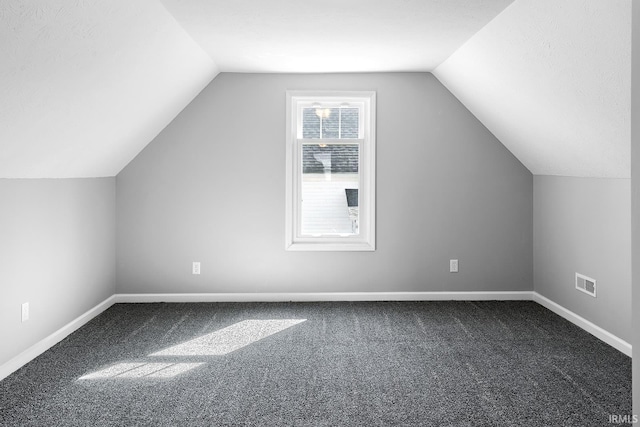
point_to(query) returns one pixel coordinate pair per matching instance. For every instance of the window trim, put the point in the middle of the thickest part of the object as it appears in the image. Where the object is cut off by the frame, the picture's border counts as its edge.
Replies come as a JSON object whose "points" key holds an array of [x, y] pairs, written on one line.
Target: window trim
{"points": [[365, 240]]}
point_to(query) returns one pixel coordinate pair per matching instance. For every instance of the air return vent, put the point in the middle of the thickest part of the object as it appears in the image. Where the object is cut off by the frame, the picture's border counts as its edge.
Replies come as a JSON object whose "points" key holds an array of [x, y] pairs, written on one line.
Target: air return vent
{"points": [[586, 284]]}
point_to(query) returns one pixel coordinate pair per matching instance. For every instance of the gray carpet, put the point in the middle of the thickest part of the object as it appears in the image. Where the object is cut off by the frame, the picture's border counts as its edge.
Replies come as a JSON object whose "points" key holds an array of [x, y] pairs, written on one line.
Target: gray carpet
{"points": [[367, 363]]}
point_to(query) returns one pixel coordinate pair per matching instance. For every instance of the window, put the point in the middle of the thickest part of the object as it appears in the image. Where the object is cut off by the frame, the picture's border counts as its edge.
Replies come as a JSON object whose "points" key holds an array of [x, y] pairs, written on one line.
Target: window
{"points": [[330, 200]]}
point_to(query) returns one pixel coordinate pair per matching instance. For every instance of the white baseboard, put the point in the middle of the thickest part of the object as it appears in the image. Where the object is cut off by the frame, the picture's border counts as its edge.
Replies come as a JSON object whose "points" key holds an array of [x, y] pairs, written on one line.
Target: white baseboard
{"points": [[588, 326], [326, 296], [45, 344]]}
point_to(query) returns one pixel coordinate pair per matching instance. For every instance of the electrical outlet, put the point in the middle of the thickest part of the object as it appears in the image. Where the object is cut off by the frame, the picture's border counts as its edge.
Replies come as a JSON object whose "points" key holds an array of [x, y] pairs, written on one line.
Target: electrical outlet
{"points": [[453, 266], [195, 269], [25, 311]]}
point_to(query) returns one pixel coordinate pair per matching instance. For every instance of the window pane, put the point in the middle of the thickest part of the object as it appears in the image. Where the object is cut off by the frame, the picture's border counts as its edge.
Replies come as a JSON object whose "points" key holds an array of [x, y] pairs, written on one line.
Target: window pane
{"points": [[330, 180], [349, 122], [310, 123], [330, 123]]}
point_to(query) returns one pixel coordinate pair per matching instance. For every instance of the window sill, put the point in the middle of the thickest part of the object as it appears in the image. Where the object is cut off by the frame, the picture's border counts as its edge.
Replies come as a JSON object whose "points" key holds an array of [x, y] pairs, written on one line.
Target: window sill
{"points": [[330, 247]]}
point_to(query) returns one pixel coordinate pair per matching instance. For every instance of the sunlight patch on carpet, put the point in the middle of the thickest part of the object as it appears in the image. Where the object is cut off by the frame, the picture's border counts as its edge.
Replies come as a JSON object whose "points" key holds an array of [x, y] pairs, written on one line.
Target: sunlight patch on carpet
{"points": [[141, 370], [231, 338]]}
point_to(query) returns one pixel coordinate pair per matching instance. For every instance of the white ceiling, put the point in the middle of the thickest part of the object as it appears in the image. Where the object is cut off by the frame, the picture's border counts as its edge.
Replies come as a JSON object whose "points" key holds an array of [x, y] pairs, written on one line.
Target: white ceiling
{"points": [[86, 84], [332, 35], [552, 80]]}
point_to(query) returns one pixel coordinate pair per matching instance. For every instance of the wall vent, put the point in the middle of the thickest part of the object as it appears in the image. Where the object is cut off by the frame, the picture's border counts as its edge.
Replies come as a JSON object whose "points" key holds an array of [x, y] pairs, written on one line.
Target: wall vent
{"points": [[586, 284]]}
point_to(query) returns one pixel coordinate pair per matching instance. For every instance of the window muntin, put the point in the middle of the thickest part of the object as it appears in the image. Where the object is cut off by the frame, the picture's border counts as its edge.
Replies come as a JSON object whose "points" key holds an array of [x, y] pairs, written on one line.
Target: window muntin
{"points": [[330, 171]]}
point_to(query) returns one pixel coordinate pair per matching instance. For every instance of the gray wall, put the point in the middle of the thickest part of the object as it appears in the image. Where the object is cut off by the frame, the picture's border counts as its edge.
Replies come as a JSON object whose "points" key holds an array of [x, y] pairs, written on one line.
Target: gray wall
{"points": [[57, 251], [635, 198], [211, 188], [584, 225]]}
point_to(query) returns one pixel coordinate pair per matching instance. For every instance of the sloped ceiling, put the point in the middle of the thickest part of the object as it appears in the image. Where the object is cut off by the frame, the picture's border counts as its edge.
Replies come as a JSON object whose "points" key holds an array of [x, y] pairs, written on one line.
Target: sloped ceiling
{"points": [[551, 79], [86, 84], [332, 35]]}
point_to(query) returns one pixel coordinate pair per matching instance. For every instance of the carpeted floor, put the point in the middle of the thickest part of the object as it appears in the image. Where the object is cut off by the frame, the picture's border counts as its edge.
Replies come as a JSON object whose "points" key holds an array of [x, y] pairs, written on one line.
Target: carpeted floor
{"points": [[327, 364]]}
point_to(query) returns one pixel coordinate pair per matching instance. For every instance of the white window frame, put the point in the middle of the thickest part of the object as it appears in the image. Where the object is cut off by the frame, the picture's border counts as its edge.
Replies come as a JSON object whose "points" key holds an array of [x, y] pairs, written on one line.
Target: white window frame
{"points": [[365, 239]]}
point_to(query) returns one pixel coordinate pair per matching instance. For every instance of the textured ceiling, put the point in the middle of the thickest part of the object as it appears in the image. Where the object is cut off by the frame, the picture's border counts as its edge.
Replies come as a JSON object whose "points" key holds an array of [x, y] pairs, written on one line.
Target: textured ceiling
{"points": [[85, 85], [332, 35], [551, 79]]}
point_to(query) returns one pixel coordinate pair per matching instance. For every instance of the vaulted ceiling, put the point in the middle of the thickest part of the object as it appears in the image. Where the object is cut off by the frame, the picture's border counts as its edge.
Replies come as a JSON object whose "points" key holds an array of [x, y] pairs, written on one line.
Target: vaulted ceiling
{"points": [[86, 84], [332, 35], [552, 80]]}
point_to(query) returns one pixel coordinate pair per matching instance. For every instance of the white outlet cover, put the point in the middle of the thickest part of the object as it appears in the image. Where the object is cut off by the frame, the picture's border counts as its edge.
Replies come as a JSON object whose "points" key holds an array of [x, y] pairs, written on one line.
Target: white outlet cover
{"points": [[25, 311], [453, 265], [196, 268]]}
